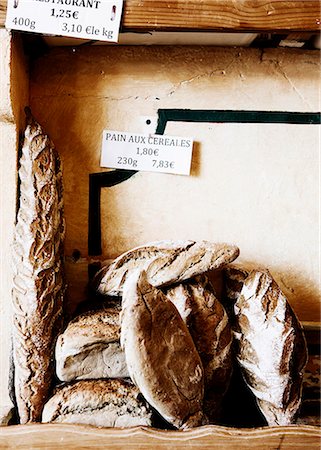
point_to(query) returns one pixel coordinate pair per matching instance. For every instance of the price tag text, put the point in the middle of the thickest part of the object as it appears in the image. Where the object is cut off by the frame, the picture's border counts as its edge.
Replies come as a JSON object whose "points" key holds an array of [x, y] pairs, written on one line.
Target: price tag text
{"points": [[155, 153]]}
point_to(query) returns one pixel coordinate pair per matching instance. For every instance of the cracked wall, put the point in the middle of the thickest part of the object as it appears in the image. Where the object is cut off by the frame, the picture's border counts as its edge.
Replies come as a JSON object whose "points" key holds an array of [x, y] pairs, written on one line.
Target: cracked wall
{"points": [[253, 185]]}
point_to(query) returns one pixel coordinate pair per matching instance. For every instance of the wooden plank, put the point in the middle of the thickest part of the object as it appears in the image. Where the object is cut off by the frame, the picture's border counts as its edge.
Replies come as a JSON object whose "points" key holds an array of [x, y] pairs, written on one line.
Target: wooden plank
{"points": [[214, 15], [227, 15], [3, 9], [14, 95], [65, 436]]}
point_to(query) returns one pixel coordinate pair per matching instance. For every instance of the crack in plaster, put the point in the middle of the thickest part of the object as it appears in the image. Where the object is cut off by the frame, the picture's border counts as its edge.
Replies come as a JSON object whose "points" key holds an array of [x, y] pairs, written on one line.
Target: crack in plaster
{"points": [[281, 71], [212, 73], [100, 97]]}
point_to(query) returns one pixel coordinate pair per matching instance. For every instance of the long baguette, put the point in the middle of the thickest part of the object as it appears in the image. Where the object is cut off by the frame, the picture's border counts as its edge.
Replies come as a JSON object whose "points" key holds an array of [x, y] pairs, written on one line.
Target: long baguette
{"points": [[38, 271]]}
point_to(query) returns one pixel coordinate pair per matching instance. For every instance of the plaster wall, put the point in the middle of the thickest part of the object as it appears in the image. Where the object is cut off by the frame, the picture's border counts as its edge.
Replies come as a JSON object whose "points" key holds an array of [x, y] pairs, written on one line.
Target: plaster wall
{"points": [[253, 185]]}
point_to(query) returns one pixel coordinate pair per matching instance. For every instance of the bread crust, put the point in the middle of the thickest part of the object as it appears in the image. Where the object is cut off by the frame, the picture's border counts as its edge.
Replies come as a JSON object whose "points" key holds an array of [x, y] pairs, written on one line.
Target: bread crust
{"points": [[90, 348], [209, 327], [271, 348], [233, 280], [165, 262], [102, 403], [38, 281], [161, 357]]}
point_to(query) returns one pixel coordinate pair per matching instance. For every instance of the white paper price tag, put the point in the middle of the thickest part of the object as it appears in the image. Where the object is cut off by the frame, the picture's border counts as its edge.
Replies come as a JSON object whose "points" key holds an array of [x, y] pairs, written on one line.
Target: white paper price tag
{"points": [[153, 153], [87, 19]]}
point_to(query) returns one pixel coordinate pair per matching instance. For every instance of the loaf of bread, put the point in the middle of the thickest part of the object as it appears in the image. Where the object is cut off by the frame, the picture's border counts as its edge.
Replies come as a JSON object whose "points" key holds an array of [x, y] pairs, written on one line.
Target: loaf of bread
{"points": [[233, 280], [38, 284], [209, 327], [102, 403], [161, 357], [271, 348], [165, 262], [90, 347]]}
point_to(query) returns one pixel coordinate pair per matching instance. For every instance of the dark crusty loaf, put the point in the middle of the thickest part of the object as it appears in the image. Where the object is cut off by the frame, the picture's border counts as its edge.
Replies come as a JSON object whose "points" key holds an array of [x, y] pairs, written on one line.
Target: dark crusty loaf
{"points": [[208, 324], [38, 272], [161, 357], [90, 347], [233, 280], [102, 403], [271, 347], [165, 262]]}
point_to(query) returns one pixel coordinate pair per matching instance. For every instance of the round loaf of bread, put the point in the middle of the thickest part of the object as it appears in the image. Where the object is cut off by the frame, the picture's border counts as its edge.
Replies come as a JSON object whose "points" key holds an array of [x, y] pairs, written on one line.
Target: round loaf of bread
{"points": [[90, 348], [102, 403]]}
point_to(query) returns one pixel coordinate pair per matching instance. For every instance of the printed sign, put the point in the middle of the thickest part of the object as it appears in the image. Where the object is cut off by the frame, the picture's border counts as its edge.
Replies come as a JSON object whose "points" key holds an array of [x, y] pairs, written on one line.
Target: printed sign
{"points": [[87, 19], [153, 153]]}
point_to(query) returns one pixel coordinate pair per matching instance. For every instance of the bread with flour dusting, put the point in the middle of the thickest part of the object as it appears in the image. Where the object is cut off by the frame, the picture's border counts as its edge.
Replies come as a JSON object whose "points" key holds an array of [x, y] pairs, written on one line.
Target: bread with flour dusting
{"points": [[233, 280], [271, 348], [208, 324], [38, 273], [101, 403], [161, 357], [90, 347], [165, 263]]}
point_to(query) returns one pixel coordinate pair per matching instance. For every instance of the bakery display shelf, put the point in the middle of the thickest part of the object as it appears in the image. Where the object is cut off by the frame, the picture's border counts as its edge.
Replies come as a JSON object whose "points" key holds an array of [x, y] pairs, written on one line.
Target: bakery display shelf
{"points": [[216, 15], [208, 437], [144, 16]]}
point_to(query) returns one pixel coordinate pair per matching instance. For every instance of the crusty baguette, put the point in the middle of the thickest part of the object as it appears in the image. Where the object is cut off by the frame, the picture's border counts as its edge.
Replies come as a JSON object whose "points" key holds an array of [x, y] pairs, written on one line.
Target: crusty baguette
{"points": [[38, 272], [102, 403], [161, 357], [208, 324], [89, 348], [165, 262], [271, 348]]}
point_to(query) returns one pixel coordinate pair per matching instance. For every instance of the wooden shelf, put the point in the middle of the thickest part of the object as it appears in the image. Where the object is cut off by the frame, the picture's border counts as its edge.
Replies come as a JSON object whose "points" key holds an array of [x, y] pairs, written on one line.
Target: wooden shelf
{"points": [[198, 15], [216, 15], [65, 436]]}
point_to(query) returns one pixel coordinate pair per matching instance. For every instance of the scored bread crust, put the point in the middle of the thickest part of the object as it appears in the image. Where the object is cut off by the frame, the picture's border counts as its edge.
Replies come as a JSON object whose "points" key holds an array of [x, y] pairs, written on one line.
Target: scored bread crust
{"points": [[90, 347], [102, 403], [208, 324], [233, 280], [165, 262], [38, 276], [161, 357], [271, 348]]}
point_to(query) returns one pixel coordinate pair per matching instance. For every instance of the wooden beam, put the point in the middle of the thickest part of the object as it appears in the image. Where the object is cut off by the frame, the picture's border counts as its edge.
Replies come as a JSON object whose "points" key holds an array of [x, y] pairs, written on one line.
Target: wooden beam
{"points": [[63, 436], [216, 15], [227, 15], [3, 9]]}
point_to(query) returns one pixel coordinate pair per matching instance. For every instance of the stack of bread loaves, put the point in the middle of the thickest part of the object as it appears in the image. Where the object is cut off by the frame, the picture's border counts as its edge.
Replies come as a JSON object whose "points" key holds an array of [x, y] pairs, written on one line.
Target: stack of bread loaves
{"points": [[164, 344]]}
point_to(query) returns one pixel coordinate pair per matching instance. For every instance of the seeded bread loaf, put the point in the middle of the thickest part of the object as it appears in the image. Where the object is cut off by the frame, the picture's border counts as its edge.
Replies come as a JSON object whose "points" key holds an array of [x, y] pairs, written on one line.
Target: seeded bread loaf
{"points": [[165, 262], [271, 349], [38, 283], [90, 347], [102, 403], [208, 324], [161, 357]]}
